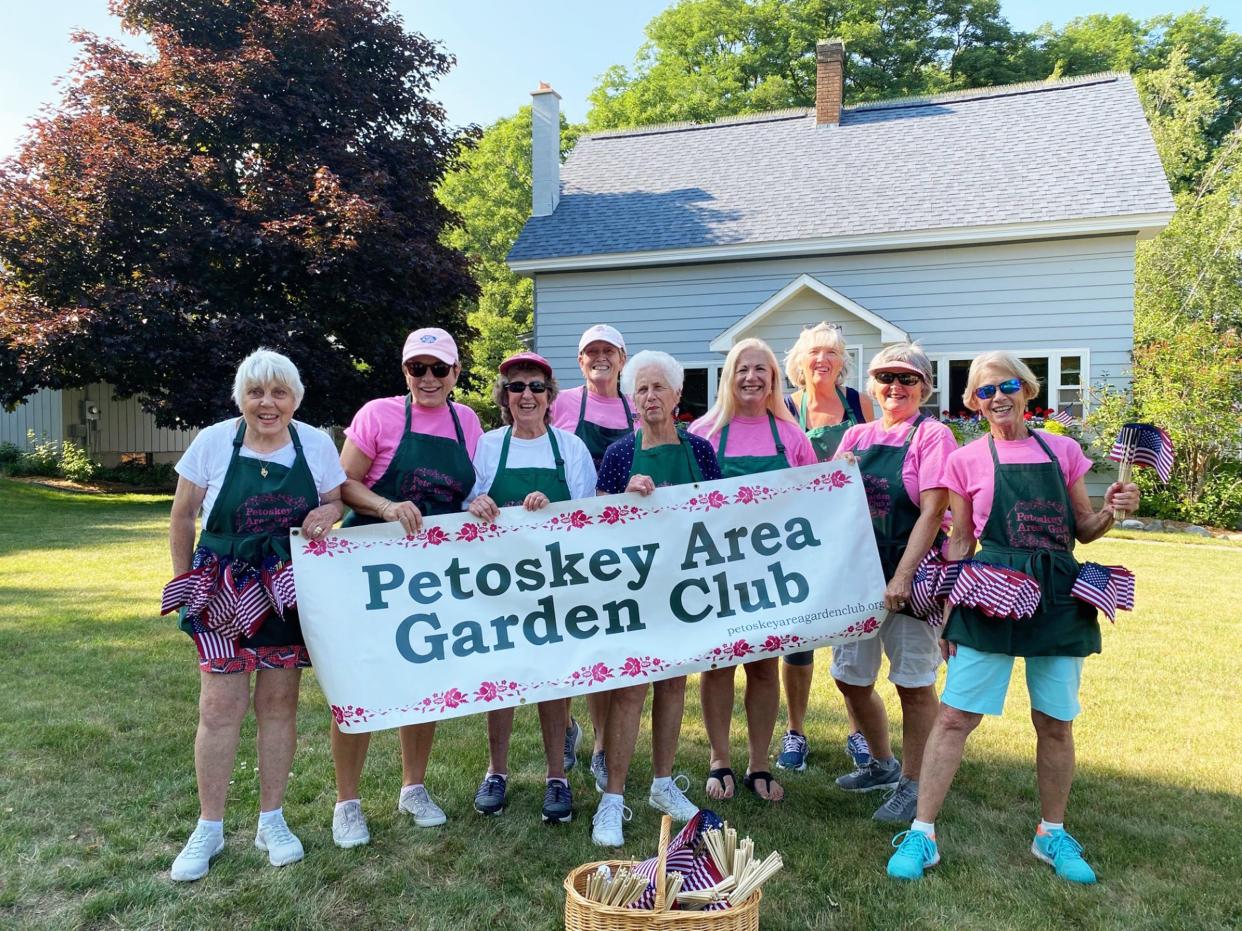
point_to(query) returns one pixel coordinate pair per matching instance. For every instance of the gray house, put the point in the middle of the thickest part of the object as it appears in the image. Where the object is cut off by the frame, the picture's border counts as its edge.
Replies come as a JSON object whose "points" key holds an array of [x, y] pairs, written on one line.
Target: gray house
{"points": [[996, 218]]}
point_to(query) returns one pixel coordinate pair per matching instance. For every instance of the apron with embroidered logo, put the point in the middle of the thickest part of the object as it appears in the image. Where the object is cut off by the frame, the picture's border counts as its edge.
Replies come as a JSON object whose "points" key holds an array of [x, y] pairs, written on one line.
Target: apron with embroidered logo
{"points": [[666, 464], [432, 472], [511, 486], [733, 466], [1031, 528], [598, 438], [893, 513]]}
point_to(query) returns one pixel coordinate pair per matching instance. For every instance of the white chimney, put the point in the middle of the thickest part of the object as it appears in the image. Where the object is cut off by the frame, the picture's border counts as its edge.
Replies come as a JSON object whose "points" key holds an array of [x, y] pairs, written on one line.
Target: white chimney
{"points": [[545, 130]]}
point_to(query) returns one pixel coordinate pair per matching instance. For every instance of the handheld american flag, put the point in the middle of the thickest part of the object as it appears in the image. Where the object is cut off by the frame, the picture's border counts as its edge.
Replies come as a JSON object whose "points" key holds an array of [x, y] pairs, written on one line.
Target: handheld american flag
{"points": [[1144, 445], [1109, 588], [1064, 417]]}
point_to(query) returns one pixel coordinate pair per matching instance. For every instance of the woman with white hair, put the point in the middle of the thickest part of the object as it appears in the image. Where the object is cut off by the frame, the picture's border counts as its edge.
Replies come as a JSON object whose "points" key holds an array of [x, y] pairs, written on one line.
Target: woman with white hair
{"points": [[252, 478], [817, 365], [1020, 495], [752, 431], [901, 457], [656, 456]]}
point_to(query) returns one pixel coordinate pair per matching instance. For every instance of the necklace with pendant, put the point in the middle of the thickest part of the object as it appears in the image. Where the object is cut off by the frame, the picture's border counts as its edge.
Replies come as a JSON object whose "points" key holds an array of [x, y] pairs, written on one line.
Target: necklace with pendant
{"points": [[263, 468]]}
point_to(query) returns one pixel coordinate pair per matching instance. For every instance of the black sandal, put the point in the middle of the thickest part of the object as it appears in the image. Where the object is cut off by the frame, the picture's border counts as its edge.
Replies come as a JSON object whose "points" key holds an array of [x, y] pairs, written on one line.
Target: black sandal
{"points": [[720, 775], [763, 776]]}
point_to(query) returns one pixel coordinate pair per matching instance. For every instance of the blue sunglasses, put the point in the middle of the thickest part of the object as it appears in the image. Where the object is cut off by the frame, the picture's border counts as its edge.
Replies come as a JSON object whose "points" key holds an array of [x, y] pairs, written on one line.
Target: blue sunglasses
{"points": [[1011, 386]]}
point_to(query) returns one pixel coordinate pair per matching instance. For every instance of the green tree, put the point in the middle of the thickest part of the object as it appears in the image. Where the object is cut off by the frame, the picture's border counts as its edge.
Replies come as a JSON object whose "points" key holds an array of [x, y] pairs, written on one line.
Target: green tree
{"points": [[490, 190]]}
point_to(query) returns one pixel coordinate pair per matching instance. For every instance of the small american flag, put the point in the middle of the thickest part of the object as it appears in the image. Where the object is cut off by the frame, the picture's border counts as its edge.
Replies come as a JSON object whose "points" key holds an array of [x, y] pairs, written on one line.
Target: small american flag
{"points": [[1109, 588], [1144, 445], [698, 872], [996, 591], [1064, 417]]}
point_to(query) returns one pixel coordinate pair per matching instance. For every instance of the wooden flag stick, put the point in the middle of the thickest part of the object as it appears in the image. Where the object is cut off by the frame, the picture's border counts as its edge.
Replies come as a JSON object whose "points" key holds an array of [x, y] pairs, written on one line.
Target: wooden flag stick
{"points": [[1130, 439]]}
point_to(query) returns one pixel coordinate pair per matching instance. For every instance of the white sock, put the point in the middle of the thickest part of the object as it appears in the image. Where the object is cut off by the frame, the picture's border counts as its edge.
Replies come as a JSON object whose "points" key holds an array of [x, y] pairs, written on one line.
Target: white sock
{"points": [[215, 827], [1047, 826], [663, 783], [501, 775], [610, 798], [561, 779], [927, 827], [271, 817], [348, 801]]}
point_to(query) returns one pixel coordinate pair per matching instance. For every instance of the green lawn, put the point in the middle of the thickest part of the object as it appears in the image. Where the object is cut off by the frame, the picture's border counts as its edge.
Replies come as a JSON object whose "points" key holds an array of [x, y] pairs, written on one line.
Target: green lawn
{"points": [[97, 782]]}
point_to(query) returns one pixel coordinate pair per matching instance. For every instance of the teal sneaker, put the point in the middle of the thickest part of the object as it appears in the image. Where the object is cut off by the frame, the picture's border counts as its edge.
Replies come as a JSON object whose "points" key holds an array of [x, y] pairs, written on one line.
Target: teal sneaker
{"points": [[916, 851], [1064, 854]]}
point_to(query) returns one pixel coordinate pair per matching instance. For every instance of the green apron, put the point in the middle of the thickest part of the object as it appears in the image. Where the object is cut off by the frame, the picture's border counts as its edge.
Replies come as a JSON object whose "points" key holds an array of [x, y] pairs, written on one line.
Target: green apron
{"points": [[1031, 528], [666, 464], [431, 472], [734, 466], [825, 440], [250, 520], [511, 486], [893, 513], [598, 438]]}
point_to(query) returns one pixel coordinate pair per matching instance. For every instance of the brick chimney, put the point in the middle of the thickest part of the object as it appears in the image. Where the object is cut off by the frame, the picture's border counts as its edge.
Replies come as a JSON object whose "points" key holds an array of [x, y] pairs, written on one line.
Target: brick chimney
{"points": [[829, 81], [545, 130]]}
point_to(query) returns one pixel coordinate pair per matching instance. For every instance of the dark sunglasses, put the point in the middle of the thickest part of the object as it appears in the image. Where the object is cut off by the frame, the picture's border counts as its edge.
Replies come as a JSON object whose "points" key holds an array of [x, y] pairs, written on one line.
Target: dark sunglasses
{"points": [[909, 379], [517, 387], [438, 369], [1009, 386]]}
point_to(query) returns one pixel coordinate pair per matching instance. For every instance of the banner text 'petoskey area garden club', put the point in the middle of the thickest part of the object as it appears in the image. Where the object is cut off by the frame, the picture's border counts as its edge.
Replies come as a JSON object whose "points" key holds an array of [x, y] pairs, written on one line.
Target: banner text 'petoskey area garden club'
{"points": [[586, 595]]}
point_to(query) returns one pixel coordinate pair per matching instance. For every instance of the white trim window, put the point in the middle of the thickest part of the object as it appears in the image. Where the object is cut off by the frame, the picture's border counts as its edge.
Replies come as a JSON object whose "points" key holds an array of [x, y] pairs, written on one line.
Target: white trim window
{"points": [[1063, 374], [699, 391]]}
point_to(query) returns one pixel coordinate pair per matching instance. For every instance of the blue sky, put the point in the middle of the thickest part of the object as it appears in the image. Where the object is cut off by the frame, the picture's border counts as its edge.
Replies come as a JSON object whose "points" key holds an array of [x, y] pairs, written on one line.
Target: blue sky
{"points": [[503, 49]]}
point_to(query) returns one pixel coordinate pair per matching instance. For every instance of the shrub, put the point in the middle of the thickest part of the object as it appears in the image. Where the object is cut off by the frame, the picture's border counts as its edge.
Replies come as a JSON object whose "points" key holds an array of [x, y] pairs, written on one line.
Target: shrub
{"points": [[75, 463], [9, 454]]}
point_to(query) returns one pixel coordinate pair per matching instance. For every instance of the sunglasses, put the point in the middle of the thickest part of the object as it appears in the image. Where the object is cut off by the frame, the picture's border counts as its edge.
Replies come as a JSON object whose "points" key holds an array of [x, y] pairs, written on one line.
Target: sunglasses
{"points": [[909, 379], [438, 369], [517, 387], [1009, 386]]}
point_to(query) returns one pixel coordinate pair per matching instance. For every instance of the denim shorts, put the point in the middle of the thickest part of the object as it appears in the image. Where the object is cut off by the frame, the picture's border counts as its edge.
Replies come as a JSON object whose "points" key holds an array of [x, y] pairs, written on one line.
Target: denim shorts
{"points": [[977, 682]]}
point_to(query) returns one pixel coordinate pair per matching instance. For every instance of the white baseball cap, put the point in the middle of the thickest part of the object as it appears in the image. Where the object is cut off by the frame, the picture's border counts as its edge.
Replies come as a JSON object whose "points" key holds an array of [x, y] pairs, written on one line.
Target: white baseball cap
{"points": [[603, 333], [430, 341]]}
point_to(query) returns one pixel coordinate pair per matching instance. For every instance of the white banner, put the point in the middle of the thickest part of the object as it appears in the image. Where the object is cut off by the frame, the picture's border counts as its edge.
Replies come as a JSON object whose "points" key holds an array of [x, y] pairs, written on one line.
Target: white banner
{"points": [[585, 596]]}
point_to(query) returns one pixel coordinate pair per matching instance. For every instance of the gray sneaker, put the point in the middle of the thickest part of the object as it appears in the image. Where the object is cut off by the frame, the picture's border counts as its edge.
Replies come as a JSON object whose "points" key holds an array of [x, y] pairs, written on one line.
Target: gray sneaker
{"points": [[416, 801], [877, 774], [349, 825], [599, 769], [899, 804]]}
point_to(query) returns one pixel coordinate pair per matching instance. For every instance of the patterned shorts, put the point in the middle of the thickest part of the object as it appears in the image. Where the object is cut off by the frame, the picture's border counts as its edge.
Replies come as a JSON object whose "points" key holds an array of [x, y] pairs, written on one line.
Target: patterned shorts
{"points": [[253, 659]]}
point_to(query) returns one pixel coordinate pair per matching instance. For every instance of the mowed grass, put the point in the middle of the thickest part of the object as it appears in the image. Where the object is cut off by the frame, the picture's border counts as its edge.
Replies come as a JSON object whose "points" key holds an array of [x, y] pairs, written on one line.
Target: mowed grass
{"points": [[97, 785]]}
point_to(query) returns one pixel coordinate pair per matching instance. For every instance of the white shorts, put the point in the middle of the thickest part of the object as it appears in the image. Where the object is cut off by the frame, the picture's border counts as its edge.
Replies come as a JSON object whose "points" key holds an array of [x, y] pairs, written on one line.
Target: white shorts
{"points": [[912, 647]]}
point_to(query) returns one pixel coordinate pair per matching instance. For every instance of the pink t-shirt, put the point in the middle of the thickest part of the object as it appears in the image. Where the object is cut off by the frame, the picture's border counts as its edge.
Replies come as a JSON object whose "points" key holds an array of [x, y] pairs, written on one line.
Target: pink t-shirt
{"points": [[969, 471], [752, 436], [923, 468], [603, 412], [376, 429]]}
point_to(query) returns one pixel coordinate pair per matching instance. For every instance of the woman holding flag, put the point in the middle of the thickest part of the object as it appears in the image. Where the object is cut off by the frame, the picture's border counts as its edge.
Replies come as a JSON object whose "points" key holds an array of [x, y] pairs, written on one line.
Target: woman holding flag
{"points": [[752, 431], [1021, 496]]}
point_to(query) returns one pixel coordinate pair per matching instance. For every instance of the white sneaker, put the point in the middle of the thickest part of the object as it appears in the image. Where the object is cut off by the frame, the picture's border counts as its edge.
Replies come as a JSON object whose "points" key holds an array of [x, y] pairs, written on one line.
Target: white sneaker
{"points": [[415, 800], [349, 825], [672, 800], [606, 824], [195, 858], [281, 844]]}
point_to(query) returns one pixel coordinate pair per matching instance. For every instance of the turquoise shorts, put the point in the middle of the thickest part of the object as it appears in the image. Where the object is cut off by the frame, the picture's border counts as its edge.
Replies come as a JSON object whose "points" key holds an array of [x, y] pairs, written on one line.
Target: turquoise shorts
{"points": [[977, 682]]}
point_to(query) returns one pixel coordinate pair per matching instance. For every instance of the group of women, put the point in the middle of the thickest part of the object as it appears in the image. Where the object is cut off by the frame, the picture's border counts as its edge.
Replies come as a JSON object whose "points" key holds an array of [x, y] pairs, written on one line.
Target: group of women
{"points": [[255, 477]]}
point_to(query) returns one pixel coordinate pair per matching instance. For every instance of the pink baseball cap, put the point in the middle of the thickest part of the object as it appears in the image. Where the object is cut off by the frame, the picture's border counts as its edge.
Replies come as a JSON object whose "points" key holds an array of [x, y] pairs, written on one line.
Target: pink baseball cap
{"points": [[894, 366], [430, 341], [604, 333], [526, 358]]}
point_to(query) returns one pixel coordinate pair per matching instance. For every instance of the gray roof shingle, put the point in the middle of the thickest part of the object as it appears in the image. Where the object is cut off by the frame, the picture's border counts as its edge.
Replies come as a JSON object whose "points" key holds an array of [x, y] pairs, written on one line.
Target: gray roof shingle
{"points": [[1064, 150]]}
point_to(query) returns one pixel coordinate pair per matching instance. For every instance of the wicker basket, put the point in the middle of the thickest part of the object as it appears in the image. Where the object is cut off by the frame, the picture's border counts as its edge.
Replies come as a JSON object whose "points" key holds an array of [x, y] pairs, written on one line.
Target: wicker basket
{"points": [[581, 914]]}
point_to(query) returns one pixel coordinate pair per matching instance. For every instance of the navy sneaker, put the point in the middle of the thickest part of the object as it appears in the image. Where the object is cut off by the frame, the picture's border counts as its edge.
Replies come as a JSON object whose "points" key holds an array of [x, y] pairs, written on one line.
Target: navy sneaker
{"points": [[857, 749], [794, 751], [558, 802], [490, 799]]}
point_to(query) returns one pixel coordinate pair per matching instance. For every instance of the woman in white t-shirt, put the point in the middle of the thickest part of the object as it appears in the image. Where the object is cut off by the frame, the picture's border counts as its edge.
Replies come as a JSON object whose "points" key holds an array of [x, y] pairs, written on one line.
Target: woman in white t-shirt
{"points": [[252, 478], [527, 462]]}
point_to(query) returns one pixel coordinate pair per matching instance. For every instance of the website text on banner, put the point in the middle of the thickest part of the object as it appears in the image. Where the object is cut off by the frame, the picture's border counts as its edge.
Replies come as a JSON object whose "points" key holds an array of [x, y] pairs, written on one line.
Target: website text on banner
{"points": [[586, 596]]}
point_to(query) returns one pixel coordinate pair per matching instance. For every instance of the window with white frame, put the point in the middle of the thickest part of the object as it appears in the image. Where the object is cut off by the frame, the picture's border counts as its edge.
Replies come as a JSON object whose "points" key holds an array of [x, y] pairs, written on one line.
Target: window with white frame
{"points": [[698, 393], [1063, 374]]}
